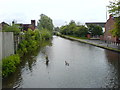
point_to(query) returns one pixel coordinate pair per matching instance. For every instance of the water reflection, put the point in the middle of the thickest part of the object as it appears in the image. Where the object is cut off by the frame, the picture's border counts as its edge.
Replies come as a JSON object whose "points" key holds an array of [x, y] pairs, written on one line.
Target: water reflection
{"points": [[113, 59], [67, 64], [15, 80]]}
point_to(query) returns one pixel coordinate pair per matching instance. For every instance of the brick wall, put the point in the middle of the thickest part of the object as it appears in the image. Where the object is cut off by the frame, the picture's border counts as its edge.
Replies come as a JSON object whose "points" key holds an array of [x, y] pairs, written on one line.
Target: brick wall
{"points": [[109, 26]]}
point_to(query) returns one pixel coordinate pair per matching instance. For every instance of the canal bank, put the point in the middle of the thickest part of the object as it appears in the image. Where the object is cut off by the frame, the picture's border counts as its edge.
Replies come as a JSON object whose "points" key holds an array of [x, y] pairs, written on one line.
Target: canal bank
{"points": [[89, 67], [91, 42]]}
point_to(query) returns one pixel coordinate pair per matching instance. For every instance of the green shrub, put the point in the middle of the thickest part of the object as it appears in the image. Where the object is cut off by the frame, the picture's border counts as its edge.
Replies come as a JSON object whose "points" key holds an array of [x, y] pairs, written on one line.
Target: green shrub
{"points": [[9, 64], [0, 67], [45, 34], [32, 40]]}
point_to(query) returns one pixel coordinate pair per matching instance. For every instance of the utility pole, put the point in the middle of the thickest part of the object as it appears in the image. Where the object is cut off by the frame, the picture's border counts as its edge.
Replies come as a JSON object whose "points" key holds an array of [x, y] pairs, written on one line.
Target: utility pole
{"points": [[106, 13]]}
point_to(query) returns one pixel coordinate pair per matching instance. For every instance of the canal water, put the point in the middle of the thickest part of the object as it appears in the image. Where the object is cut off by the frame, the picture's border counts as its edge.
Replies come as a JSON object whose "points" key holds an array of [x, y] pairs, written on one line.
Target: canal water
{"points": [[71, 65]]}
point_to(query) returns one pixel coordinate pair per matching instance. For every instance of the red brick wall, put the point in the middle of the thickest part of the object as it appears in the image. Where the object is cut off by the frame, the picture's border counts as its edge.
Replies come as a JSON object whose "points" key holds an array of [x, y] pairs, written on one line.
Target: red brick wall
{"points": [[109, 26]]}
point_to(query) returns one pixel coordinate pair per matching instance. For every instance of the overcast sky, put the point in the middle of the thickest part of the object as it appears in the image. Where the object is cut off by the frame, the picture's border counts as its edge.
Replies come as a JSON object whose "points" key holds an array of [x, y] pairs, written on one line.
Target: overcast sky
{"points": [[60, 11]]}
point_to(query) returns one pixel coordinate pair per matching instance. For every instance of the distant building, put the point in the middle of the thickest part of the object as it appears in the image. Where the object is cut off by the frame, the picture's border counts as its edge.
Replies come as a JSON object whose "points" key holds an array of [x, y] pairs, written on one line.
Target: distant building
{"points": [[2, 24], [101, 24], [109, 26], [25, 27]]}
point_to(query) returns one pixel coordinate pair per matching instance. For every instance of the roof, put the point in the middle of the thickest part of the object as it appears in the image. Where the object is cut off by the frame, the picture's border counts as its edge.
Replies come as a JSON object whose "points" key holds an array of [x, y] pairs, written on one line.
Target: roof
{"points": [[102, 24], [3, 23]]}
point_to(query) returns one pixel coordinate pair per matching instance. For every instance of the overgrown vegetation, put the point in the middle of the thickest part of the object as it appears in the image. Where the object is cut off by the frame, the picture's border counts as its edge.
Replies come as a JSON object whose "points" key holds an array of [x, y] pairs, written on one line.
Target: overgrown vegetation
{"points": [[95, 30], [12, 28], [9, 64], [77, 30], [45, 22], [0, 68], [31, 40], [114, 9]]}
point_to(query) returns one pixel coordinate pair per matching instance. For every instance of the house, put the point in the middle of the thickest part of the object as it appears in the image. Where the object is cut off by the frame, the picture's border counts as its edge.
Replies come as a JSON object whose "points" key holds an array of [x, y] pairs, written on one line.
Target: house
{"points": [[2, 24], [24, 27], [109, 26]]}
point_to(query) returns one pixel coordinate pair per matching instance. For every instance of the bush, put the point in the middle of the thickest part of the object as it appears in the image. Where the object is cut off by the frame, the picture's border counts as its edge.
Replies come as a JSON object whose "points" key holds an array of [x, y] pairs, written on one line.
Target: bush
{"points": [[13, 28], [0, 68], [74, 30], [45, 34], [9, 64], [32, 40]]}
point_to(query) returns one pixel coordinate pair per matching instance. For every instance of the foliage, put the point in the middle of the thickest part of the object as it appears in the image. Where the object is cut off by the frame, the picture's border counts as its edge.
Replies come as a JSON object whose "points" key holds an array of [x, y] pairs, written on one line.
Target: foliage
{"points": [[95, 30], [0, 68], [9, 64], [45, 34], [114, 8], [45, 23], [32, 40], [115, 11], [13, 28], [74, 29], [78, 37], [57, 29], [81, 31], [116, 30]]}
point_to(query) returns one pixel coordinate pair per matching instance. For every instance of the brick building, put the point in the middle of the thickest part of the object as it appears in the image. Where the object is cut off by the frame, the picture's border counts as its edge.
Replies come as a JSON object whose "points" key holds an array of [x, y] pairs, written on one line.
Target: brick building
{"points": [[109, 26], [2, 24], [26, 26]]}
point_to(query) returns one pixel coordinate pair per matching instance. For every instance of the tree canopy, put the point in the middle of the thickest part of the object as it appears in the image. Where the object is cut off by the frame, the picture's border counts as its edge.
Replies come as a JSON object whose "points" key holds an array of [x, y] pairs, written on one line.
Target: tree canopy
{"points": [[74, 29], [95, 30], [81, 30], [114, 8], [115, 11], [45, 22]]}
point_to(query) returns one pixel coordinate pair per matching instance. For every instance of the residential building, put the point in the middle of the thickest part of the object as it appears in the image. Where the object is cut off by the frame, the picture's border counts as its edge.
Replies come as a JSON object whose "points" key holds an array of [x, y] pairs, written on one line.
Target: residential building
{"points": [[24, 27], [2, 24], [109, 26]]}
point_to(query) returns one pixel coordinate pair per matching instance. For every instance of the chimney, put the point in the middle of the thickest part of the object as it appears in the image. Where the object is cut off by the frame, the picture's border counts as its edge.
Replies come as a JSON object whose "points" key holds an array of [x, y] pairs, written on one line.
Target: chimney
{"points": [[110, 16], [33, 22]]}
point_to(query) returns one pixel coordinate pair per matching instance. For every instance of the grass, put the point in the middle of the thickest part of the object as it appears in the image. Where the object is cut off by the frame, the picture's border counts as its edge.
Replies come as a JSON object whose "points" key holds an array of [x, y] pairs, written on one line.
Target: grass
{"points": [[77, 37]]}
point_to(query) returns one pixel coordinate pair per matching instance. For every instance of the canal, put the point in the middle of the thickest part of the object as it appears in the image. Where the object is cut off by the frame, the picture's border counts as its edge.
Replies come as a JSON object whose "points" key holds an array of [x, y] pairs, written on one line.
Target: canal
{"points": [[71, 65]]}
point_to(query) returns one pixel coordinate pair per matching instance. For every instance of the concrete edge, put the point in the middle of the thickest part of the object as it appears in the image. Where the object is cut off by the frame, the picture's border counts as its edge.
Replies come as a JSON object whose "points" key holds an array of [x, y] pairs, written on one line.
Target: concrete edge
{"points": [[108, 48]]}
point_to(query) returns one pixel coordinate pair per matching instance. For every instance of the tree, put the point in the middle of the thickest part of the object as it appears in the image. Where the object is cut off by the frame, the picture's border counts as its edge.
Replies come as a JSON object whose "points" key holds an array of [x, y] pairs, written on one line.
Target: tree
{"points": [[82, 31], [115, 11], [74, 29], [57, 29], [45, 23], [95, 30], [114, 8]]}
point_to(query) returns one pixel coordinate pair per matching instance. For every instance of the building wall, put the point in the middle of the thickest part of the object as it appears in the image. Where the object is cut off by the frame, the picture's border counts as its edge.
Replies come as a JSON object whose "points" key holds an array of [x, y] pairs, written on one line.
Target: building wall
{"points": [[109, 26], [7, 44], [0, 27]]}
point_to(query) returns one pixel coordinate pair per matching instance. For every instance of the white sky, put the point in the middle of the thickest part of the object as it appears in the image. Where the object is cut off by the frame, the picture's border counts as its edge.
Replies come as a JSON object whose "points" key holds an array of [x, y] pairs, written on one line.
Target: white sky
{"points": [[60, 11]]}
